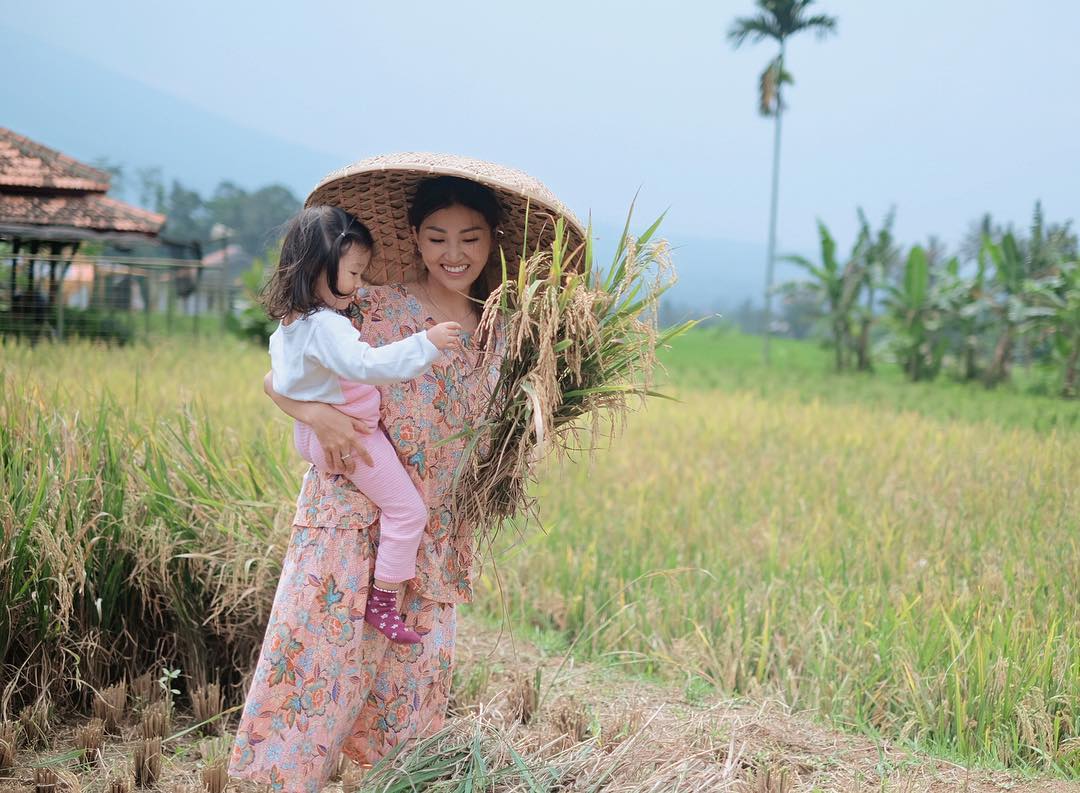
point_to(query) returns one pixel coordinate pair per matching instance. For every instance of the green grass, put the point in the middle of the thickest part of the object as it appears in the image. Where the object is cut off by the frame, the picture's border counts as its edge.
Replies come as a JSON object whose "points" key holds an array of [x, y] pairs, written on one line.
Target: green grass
{"points": [[904, 562], [801, 371], [903, 559]]}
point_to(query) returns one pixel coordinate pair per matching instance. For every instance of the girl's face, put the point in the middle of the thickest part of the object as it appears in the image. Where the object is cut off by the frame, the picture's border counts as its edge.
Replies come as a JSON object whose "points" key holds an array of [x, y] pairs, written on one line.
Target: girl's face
{"points": [[455, 244], [351, 266]]}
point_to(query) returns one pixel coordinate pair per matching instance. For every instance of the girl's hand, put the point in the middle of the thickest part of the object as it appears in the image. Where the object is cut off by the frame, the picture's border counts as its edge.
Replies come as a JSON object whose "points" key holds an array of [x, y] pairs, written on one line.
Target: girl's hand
{"points": [[445, 335]]}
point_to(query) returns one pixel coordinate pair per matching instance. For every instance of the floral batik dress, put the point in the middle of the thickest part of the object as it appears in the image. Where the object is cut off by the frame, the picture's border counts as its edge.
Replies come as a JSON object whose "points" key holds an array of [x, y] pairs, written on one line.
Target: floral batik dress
{"points": [[326, 682]]}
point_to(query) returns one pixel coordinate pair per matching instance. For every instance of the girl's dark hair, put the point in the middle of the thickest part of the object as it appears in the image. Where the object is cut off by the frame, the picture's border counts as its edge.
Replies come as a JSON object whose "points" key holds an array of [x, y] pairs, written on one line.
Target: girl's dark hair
{"points": [[314, 241], [447, 191]]}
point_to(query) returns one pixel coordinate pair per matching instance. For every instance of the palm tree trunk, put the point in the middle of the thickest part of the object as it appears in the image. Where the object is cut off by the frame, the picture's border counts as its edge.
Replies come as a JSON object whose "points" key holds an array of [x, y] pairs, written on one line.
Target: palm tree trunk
{"points": [[1072, 369], [771, 255], [971, 368], [838, 342], [862, 347], [999, 368]]}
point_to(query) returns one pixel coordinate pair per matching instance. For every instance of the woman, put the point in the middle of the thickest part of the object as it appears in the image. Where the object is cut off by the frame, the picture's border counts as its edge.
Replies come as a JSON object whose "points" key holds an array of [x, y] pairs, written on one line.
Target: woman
{"points": [[326, 682]]}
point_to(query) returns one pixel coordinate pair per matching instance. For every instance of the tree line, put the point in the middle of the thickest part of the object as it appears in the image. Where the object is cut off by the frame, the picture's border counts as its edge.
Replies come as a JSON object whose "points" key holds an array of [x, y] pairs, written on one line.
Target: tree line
{"points": [[252, 218], [1006, 296]]}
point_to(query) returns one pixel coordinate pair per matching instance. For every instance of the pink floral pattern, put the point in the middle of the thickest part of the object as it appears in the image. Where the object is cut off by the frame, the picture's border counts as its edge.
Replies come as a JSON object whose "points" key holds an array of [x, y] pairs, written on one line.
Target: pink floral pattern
{"points": [[326, 683]]}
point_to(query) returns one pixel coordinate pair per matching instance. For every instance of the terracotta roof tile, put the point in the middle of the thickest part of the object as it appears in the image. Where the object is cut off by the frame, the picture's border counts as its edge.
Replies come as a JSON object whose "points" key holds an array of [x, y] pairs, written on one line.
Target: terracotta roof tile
{"points": [[91, 211], [24, 163]]}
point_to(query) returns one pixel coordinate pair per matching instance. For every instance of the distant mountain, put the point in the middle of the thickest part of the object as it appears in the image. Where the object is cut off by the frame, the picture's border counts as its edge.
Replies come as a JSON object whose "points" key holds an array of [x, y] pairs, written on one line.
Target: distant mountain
{"points": [[87, 111], [69, 103], [714, 275]]}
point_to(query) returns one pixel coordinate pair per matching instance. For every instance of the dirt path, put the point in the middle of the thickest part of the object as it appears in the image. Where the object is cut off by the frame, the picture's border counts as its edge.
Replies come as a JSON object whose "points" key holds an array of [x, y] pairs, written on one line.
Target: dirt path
{"points": [[763, 746]]}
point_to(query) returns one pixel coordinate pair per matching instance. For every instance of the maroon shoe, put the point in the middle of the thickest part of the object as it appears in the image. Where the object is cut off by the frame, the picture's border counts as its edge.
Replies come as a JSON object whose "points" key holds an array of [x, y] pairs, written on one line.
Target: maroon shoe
{"points": [[381, 614]]}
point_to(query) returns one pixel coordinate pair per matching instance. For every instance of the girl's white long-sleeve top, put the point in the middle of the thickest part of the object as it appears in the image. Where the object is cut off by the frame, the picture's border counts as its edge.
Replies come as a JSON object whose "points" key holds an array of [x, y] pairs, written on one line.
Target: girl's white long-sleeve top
{"points": [[308, 355]]}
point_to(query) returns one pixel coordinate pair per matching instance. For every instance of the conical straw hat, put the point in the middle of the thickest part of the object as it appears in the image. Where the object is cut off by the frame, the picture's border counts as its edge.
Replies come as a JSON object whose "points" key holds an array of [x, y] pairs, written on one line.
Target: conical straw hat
{"points": [[378, 192]]}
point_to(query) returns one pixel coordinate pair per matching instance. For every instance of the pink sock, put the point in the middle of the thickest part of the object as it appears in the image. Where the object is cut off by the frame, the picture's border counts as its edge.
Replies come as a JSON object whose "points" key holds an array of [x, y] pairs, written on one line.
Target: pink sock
{"points": [[381, 613]]}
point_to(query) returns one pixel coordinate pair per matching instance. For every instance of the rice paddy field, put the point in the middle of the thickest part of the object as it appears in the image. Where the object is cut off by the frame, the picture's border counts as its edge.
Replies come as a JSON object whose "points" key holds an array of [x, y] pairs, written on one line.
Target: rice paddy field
{"points": [[900, 560]]}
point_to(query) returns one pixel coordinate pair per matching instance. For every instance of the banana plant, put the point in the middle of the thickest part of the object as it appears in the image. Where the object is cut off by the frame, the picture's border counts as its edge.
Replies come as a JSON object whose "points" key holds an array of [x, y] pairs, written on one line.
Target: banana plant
{"points": [[915, 319], [878, 256], [965, 313], [1054, 311], [838, 286], [1006, 302]]}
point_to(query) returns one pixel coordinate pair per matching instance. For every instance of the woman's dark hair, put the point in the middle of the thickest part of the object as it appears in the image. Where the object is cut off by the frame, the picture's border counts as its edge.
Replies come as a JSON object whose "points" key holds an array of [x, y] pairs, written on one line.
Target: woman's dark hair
{"points": [[314, 241], [447, 191]]}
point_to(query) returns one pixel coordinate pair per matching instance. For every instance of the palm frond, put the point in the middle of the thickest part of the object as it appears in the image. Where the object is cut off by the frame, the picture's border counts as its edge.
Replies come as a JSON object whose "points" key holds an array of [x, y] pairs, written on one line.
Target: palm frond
{"points": [[756, 28], [779, 20], [822, 24]]}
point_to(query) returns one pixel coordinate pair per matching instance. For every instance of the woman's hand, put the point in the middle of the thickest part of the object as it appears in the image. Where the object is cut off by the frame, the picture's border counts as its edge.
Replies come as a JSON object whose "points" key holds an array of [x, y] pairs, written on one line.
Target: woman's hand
{"points": [[338, 434]]}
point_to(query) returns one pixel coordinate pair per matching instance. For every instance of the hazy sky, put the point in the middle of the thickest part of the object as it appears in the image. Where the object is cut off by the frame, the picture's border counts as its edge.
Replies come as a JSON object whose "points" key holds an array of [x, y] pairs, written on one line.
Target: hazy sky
{"points": [[946, 108]]}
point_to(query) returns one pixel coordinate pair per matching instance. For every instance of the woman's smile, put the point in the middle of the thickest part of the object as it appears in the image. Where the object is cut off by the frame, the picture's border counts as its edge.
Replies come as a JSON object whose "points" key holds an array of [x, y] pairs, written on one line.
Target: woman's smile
{"points": [[455, 244]]}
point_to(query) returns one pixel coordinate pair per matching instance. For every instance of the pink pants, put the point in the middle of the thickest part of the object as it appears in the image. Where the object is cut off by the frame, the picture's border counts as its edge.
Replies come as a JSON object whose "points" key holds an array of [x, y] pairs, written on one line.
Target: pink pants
{"points": [[387, 484]]}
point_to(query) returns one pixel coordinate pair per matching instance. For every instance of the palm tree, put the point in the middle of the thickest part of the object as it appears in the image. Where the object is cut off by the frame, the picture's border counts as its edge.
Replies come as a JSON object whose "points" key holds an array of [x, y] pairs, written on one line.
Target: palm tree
{"points": [[778, 20]]}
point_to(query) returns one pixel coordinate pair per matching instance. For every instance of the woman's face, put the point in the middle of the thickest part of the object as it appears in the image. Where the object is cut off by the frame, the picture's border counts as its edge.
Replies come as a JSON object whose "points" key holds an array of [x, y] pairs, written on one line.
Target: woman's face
{"points": [[455, 244]]}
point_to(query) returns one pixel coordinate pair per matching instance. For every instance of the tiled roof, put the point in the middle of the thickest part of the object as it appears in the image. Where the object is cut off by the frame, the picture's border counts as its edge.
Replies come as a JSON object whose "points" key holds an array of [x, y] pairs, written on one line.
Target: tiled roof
{"points": [[40, 187], [88, 211], [234, 251], [26, 164]]}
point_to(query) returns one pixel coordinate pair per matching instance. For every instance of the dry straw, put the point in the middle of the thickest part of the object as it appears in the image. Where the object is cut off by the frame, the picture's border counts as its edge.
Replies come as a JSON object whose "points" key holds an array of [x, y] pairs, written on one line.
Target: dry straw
{"points": [[147, 761], [215, 755], [207, 702], [45, 780], [89, 739], [34, 720], [580, 349], [9, 741], [109, 705], [156, 721], [524, 697], [216, 776], [120, 784], [145, 688]]}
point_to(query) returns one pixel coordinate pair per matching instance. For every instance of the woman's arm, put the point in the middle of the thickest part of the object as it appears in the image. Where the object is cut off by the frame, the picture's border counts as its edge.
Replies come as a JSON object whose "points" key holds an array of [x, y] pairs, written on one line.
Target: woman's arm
{"points": [[337, 433]]}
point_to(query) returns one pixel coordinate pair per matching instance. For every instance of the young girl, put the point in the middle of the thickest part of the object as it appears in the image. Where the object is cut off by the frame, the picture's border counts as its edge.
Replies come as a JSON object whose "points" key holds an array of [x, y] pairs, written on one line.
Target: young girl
{"points": [[316, 356]]}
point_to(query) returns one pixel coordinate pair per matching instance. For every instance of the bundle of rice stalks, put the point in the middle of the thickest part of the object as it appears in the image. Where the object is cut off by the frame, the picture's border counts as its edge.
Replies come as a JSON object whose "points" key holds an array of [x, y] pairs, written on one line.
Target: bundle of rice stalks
{"points": [[9, 741], [215, 777], [473, 753], [208, 703], [145, 688], [34, 720], [571, 720], [469, 754], [524, 697], [580, 350], [109, 705], [90, 738], [45, 780], [147, 761], [156, 721], [123, 783]]}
